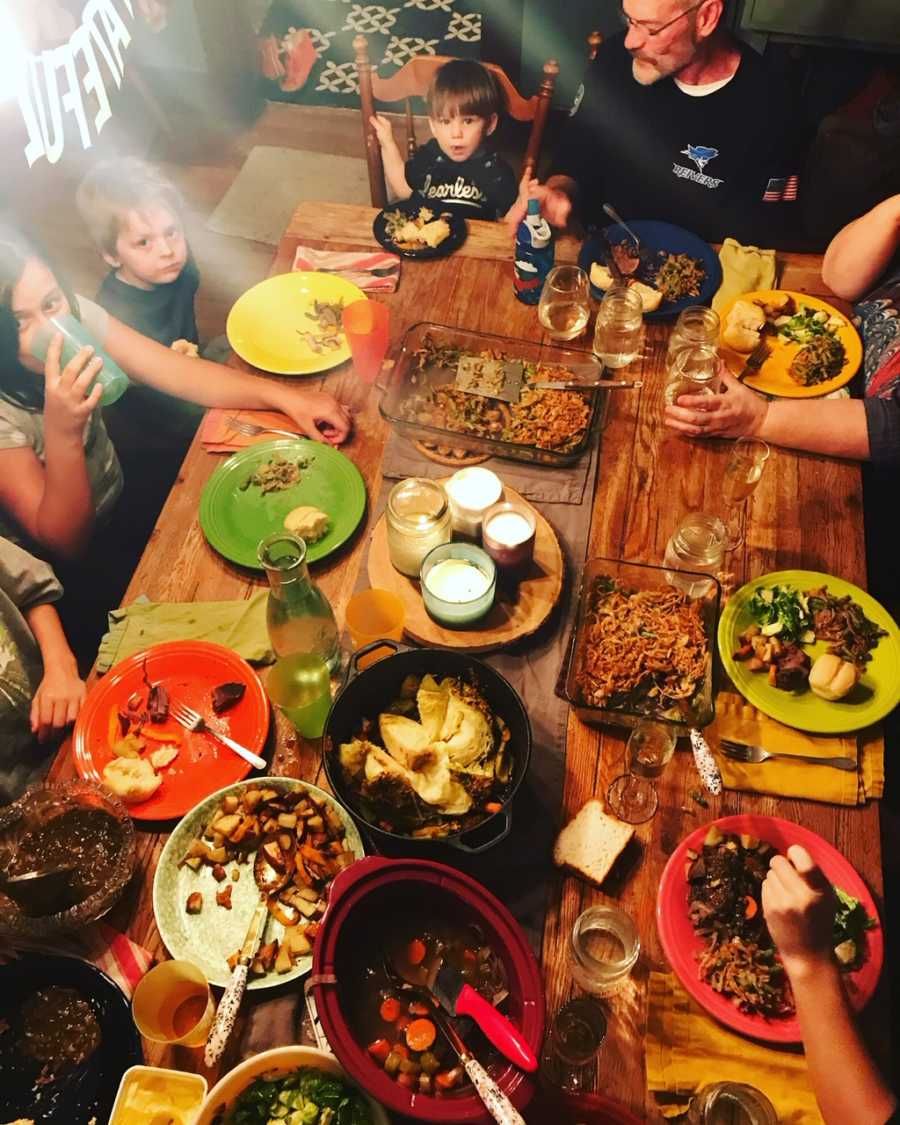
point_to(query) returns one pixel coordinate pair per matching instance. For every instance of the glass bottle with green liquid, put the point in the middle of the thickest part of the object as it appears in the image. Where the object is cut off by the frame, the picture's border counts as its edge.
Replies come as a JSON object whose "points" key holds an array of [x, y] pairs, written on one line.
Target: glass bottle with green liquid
{"points": [[304, 635]]}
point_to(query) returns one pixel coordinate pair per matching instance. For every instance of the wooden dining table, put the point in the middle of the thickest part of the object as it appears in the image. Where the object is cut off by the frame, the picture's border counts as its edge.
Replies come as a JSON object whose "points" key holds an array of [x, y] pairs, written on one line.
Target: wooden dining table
{"points": [[806, 513]]}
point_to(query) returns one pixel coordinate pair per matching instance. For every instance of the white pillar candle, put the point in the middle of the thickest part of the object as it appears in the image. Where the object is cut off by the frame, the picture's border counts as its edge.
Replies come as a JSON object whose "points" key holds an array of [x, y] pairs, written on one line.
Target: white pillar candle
{"points": [[509, 529], [472, 491]]}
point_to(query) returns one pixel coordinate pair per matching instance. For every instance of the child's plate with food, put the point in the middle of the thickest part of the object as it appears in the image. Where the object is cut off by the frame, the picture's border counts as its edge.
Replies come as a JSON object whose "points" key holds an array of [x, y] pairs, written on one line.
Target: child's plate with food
{"points": [[127, 739], [275, 836], [812, 651], [674, 269], [415, 228], [712, 929], [305, 487], [813, 348], [291, 324]]}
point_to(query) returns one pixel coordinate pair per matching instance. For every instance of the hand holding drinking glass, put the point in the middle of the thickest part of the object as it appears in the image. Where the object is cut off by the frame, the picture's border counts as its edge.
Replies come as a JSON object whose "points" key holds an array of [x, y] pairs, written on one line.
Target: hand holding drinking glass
{"points": [[632, 797]]}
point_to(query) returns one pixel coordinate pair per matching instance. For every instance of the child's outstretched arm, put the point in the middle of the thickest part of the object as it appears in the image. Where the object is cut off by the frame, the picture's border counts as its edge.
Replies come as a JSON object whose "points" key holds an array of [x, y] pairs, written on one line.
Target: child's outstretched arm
{"points": [[318, 414], [52, 501], [798, 904], [60, 693], [394, 164]]}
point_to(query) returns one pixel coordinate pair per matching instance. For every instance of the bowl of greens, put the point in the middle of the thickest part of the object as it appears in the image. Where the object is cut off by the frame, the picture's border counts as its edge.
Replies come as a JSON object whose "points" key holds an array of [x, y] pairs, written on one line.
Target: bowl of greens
{"points": [[296, 1085]]}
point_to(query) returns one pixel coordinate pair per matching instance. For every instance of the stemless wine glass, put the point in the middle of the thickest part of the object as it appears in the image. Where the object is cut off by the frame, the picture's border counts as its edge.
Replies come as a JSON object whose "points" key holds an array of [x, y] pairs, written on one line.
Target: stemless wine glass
{"points": [[632, 797], [743, 473], [565, 304], [617, 333]]}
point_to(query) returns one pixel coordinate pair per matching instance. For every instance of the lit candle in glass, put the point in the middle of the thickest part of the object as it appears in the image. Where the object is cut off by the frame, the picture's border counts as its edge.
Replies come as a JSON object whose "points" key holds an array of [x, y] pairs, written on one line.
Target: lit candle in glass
{"points": [[508, 535], [459, 582], [472, 491]]}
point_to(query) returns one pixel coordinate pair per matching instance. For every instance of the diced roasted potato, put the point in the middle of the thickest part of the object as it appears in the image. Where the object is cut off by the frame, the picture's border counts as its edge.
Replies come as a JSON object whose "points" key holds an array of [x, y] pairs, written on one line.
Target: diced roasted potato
{"points": [[270, 794], [194, 863], [286, 841], [251, 799], [217, 855], [283, 963], [227, 824], [287, 820], [315, 824], [274, 855], [230, 803], [297, 942]]}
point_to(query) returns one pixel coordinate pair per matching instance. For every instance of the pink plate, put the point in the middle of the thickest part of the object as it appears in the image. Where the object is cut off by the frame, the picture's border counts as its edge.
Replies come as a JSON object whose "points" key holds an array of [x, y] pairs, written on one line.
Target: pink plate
{"points": [[681, 944]]}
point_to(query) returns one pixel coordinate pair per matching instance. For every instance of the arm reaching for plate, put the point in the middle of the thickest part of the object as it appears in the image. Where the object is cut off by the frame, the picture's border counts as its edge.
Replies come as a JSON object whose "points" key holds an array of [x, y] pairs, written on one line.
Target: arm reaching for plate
{"points": [[835, 427], [860, 253], [318, 414], [798, 904]]}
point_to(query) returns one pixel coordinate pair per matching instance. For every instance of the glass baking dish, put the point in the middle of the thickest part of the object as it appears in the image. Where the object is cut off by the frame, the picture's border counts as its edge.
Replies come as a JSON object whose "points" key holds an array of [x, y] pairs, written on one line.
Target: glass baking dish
{"points": [[406, 381], [696, 711]]}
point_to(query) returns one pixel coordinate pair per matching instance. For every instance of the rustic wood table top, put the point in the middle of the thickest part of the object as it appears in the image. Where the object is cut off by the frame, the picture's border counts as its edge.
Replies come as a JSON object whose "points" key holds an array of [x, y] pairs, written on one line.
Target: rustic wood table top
{"points": [[806, 512]]}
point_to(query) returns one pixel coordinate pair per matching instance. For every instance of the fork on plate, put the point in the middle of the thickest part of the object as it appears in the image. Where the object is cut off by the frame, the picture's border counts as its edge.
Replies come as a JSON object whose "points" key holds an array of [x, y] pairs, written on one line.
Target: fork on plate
{"points": [[746, 752], [756, 359], [193, 720], [251, 429]]}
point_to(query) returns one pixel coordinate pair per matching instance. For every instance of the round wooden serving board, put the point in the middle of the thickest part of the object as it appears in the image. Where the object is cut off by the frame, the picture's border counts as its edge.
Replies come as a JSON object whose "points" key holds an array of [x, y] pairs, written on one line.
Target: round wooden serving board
{"points": [[537, 594]]}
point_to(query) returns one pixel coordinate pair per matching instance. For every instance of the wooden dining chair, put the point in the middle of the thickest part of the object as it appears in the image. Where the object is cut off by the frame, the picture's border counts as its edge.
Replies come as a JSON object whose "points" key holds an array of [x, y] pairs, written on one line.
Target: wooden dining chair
{"points": [[413, 79]]}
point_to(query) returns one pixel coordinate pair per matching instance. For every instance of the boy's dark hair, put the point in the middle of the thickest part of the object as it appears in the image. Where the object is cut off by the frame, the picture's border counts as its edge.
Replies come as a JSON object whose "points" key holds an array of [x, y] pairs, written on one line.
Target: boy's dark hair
{"points": [[18, 385], [463, 87]]}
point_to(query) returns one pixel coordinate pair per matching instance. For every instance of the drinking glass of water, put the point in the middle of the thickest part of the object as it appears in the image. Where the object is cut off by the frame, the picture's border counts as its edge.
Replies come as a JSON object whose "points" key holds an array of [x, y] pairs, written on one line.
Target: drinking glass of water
{"points": [[632, 797], [731, 1103], [743, 473], [576, 1035], [618, 331], [603, 950], [692, 370], [565, 304], [697, 545]]}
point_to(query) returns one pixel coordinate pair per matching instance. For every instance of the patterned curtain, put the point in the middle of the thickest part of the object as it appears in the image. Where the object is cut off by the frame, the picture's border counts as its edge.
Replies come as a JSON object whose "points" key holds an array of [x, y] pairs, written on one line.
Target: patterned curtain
{"points": [[306, 46]]}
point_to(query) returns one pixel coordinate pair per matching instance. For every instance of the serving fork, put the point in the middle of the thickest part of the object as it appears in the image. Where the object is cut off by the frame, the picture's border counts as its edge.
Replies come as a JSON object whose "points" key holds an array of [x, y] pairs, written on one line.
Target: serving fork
{"points": [[193, 720], [756, 359], [746, 752], [251, 429]]}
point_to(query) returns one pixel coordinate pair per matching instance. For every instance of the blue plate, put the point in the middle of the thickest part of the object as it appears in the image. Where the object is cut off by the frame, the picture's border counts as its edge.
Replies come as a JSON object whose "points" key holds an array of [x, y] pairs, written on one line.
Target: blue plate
{"points": [[80, 1093], [656, 236]]}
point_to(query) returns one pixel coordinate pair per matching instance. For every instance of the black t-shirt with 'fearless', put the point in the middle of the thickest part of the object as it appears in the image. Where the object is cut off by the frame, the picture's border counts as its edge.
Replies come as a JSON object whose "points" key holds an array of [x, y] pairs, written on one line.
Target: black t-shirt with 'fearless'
{"points": [[482, 187], [723, 164]]}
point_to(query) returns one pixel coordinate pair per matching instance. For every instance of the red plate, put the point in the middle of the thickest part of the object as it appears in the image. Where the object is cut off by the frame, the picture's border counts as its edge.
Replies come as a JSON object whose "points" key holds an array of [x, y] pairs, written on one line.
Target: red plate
{"points": [[190, 670], [681, 944]]}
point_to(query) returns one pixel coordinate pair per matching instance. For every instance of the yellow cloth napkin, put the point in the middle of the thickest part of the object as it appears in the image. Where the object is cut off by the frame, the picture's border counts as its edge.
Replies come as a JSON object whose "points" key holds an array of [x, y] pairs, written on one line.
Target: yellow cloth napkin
{"points": [[686, 1049], [744, 270], [739, 720], [238, 625]]}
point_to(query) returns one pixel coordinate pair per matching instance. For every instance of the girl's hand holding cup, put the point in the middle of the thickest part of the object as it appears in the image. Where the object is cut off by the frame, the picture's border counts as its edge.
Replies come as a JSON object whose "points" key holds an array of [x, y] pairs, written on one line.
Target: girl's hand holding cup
{"points": [[68, 402]]}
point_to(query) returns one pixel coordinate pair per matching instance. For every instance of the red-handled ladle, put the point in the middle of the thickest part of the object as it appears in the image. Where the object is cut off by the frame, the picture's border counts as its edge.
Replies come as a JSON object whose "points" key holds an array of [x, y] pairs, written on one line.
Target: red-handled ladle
{"points": [[458, 998]]}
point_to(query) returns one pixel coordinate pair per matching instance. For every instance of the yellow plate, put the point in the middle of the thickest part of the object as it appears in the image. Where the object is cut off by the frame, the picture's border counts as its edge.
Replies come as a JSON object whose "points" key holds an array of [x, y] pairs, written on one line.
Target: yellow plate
{"points": [[265, 323], [773, 378]]}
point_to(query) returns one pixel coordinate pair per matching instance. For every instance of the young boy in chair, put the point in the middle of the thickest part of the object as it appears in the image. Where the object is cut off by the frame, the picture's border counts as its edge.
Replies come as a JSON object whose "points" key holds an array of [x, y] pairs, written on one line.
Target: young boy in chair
{"points": [[458, 170]]}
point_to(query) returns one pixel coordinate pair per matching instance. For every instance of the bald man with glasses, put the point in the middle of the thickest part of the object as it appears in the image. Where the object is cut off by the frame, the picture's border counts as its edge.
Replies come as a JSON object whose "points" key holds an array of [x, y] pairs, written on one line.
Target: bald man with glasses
{"points": [[677, 120]]}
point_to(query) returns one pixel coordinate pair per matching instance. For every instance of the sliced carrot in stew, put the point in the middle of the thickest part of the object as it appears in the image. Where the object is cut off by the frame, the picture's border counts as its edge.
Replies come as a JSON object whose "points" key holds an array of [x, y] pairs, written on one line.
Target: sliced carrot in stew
{"points": [[417, 1008], [493, 806], [380, 1049], [415, 951], [750, 906], [390, 1009], [410, 1081], [420, 1035]]}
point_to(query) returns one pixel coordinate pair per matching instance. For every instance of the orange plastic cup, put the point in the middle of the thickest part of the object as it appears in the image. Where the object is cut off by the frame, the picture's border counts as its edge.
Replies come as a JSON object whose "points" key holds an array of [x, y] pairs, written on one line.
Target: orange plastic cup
{"points": [[366, 326], [373, 615]]}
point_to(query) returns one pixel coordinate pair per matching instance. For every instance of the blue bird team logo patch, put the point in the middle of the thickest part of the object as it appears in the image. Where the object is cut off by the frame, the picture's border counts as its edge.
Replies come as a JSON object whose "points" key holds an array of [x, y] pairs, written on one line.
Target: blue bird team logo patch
{"points": [[700, 155]]}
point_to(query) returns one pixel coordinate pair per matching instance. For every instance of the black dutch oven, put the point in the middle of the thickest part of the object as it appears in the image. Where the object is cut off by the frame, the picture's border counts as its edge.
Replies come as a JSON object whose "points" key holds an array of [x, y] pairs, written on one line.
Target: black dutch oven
{"points": [[367, 691]]}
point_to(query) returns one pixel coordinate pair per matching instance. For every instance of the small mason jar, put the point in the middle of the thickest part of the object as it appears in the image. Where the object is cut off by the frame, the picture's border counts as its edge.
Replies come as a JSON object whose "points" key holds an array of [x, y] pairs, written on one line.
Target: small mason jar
{"points": [[418, 520], [696, 326], [731, 1103], [603, 949], [697, 544]]}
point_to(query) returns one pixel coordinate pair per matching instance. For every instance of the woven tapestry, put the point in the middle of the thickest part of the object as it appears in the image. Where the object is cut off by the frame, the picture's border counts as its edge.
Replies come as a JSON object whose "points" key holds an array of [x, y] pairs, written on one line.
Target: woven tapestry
{"points": [[306, 46]]}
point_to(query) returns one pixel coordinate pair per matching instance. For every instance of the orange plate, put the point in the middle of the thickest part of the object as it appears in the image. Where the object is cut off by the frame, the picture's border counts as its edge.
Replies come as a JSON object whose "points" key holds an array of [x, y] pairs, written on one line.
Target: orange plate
{"points": [[190, 670]]}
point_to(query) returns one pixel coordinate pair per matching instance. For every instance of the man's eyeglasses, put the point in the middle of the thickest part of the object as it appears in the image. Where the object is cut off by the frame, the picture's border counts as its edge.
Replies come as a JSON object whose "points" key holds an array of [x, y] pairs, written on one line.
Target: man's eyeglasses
{"points": [[650, 31]]}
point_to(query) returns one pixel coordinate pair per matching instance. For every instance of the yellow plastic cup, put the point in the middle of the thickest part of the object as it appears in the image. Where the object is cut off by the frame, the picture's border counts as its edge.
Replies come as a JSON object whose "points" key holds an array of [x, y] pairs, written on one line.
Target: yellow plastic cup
{"points": [[374, 615], [173, 1004]]}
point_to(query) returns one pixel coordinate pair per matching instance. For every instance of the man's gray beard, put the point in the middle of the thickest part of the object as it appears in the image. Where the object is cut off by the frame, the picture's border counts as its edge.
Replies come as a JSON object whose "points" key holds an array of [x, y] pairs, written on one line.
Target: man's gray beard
{"points": [[648, 78]]}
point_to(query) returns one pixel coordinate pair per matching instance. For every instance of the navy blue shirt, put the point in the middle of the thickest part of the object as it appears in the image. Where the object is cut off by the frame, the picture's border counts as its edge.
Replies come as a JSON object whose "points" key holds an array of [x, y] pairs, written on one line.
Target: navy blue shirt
{"points": [[165, 313], [482, 187]]}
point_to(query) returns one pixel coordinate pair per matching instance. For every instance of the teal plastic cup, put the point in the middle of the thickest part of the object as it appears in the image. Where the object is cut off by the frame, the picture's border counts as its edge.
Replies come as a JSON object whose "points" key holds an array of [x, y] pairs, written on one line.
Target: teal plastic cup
{"points": [[300, 687], [75, 337]]}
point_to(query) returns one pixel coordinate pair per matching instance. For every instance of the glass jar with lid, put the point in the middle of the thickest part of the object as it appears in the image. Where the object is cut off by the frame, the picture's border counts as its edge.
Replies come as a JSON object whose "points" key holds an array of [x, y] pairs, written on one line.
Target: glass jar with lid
{"points": [[418, 520], [697, 545]]}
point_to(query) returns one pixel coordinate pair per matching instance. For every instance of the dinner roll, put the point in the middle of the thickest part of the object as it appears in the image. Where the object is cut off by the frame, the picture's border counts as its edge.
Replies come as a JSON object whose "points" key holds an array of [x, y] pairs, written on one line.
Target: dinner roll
{"points": [[132, 779], [743, 326], [832, 678]]}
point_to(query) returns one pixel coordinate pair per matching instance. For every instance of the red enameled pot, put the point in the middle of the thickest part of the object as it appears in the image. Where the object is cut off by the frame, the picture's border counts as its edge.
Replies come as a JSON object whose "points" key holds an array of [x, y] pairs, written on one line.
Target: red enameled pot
{"points": [[375, 888]]}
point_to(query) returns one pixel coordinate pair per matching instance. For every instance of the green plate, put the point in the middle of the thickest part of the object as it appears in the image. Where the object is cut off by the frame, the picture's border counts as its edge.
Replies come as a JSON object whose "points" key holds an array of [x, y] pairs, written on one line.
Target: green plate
{"points": [[209, 938], [876, 694], [235, 520]]}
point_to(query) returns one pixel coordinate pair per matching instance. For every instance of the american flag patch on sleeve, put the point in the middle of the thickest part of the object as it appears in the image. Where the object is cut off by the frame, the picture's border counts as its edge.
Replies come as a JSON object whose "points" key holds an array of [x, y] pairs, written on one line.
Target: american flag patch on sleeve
{"points": [[781, 189]]}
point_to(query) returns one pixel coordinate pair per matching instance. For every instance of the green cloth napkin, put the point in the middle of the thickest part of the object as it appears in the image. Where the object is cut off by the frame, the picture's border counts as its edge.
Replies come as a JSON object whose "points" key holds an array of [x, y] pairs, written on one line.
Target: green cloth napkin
{"points": [[238, 625], [744, 270]]}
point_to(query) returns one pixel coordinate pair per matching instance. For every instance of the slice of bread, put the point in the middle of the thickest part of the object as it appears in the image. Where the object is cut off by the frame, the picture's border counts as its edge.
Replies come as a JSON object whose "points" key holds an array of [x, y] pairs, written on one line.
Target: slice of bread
{"points": [[591, 843]]}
